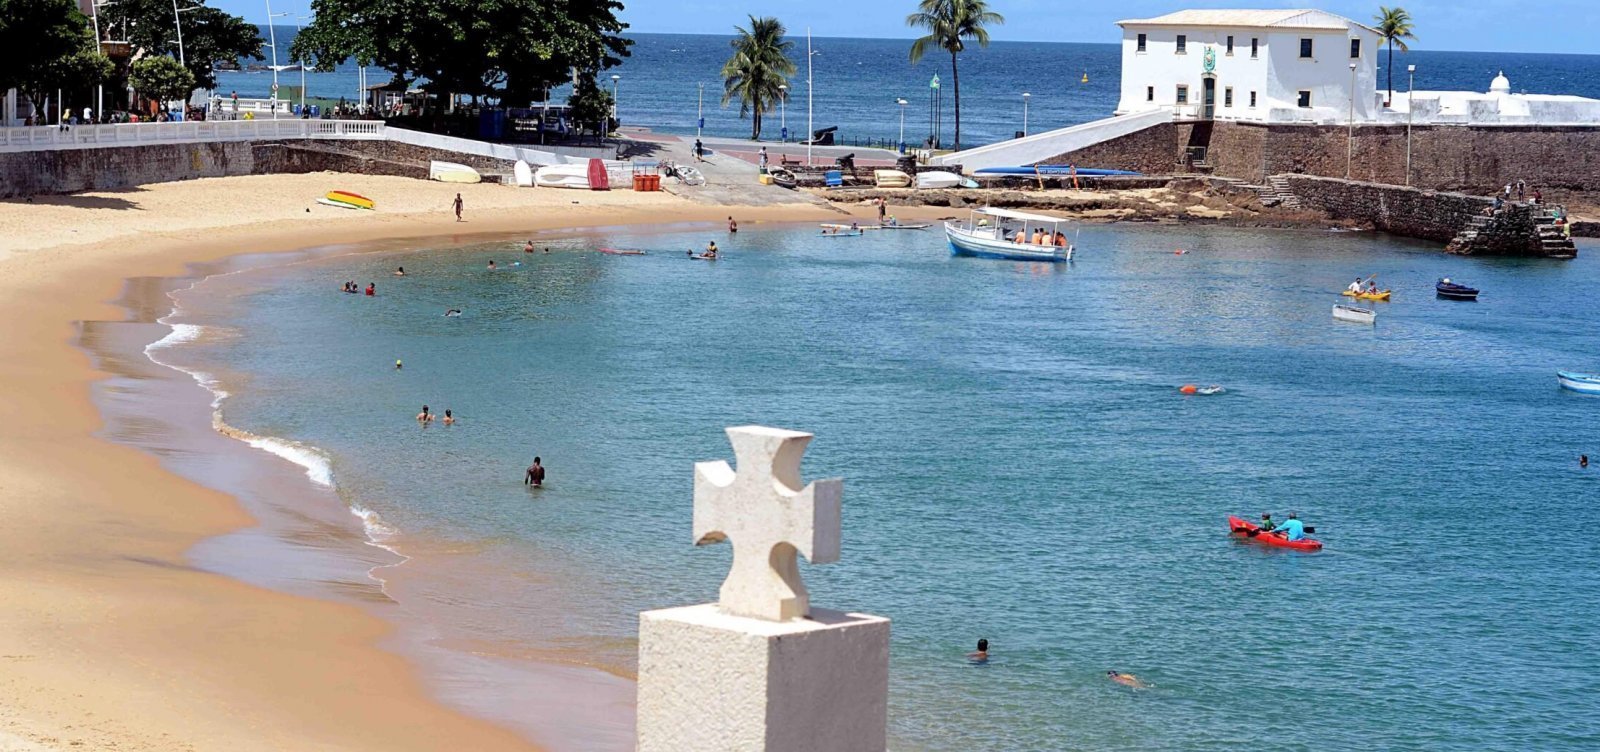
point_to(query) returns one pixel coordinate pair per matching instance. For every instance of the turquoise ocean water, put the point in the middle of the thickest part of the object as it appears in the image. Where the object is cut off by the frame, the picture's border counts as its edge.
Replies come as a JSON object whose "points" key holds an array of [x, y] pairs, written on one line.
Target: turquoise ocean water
{"points": [[1018, 466]]}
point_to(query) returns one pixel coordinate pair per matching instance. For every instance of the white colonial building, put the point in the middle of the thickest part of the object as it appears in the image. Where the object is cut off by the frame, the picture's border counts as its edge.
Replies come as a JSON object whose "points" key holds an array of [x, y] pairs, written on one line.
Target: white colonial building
{"points": [[1269, 66]]}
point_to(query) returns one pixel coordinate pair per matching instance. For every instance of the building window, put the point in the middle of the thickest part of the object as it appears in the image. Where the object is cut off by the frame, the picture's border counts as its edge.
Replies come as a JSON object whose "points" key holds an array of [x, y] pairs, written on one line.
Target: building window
{"points": [[1230, 45], [1183, 94], [1255, 48], [1252, 100], [1183, 44], [1355, 48], [1149, 93], [1305, 48], [1227, 97], [1142, 40], [1305, 98]]}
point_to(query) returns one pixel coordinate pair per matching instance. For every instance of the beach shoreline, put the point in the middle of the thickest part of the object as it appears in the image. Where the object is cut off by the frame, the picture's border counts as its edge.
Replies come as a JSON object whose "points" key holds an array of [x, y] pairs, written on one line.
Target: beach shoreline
{"points": [[118, 638]]}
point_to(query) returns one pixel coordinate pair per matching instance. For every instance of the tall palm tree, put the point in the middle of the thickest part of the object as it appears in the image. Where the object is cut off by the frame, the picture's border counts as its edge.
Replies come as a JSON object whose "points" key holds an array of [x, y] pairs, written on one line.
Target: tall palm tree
{"points": [[759, 67], [950, 23], [1394, 27]]}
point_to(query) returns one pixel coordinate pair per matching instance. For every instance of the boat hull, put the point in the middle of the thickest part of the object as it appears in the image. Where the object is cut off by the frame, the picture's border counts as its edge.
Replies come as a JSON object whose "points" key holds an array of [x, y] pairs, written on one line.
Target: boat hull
{"points": [[562, 176], [1240, 527], [1379, 296], [935, 180], [1583, 383], [450, 172], [1052, 171], [966, 245], [1355, 315]]}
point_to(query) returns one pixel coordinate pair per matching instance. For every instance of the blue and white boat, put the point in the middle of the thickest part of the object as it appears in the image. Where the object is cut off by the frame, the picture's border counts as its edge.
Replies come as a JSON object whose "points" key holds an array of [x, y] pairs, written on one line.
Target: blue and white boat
{"points": [[1006, 234], [1588, 383]]}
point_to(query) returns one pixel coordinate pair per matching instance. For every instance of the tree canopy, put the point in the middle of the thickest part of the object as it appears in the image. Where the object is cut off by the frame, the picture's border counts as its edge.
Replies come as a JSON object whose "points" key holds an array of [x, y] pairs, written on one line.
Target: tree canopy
{"points": [[759, 66], [210, 35], [39, 39], [505, 48], [161, 78]]}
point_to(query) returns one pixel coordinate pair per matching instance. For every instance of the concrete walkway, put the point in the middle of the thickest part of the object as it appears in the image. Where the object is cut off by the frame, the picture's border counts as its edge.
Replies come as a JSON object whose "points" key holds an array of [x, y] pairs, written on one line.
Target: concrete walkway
{"points": [[731, 176]]}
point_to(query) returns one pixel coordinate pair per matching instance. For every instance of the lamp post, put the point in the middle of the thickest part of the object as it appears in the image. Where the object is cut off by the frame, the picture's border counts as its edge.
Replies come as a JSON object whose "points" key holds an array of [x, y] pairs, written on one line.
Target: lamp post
{"points": [[272, 36], [783, 113], [1025, 97], [615, 80], [902, 143], [179, 24], [1411, 98], [809, 122], [700, 117], [1350, 138]]}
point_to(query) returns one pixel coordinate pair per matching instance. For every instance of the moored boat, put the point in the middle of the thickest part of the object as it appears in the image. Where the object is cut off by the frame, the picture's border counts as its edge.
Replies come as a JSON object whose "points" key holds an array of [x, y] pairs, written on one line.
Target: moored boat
{"points": [[938, 179], [1006, 234], [1447, 289], [1381, 295], [1253, 532], [562, 176], [783, 178], [1586, 383], [891, 178], [1050, 171], [451, 172], [1355, 315]]}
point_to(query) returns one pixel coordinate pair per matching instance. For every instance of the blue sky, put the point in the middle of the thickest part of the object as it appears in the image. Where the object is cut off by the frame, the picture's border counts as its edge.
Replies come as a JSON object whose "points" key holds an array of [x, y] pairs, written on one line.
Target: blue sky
{"points": [[1474, 25]]}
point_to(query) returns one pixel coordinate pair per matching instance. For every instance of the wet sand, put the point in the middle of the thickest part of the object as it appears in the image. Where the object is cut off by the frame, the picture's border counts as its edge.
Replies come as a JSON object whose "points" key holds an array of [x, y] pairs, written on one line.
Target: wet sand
{"points": [[113, 635]]}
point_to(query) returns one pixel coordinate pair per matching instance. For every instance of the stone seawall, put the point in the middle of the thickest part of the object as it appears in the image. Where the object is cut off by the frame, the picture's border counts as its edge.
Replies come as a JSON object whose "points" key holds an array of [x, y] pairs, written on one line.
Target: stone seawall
{"points": [[1412, 212], [34, 173], [1559, 160]]}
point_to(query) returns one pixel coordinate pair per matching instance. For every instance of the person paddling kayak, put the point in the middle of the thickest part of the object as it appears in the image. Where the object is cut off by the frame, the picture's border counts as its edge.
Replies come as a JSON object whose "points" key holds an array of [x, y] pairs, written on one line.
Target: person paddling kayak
{"points": [[1355, 287], [1291, 529]]}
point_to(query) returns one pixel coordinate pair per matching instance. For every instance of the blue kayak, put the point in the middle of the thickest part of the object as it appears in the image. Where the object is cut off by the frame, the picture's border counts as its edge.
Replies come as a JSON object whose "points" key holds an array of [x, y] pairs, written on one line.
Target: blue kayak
{"points": [[1052, 170]]}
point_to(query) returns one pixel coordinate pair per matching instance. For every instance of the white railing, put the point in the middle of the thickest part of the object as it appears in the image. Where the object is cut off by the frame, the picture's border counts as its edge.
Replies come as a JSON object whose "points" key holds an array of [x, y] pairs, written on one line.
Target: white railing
{"points": [[1031, 149], [42, 137]]}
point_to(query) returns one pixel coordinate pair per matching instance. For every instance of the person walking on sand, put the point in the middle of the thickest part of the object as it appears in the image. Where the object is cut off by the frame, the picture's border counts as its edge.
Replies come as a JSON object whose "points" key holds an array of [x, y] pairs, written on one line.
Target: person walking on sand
{"points": [[699, 151], [458, 207], [535, 474]]}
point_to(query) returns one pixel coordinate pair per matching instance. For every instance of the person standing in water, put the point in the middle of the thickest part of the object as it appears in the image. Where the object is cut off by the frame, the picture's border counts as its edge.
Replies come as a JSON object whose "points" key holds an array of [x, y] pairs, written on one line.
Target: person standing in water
{"points": [[425, 417], [372, 289], [981, 655], [449, 419], [732, 225], [1583, 461], [528, 248], [535, 474], [491, 265], [400, 272], [458, 207]]}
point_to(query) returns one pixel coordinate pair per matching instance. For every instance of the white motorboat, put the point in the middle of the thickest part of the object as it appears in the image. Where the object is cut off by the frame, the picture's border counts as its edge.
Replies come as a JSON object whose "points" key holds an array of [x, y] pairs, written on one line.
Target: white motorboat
{"points": [[941, 179], [562, 176], [450, 172], [1587, 383], [1006, 234], [891, 178], [1355, 315]]}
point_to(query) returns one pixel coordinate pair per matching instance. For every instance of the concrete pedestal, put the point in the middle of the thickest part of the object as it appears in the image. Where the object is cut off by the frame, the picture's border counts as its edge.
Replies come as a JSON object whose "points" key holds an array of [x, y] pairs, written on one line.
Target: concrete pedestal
{"points": [[709, 681]]}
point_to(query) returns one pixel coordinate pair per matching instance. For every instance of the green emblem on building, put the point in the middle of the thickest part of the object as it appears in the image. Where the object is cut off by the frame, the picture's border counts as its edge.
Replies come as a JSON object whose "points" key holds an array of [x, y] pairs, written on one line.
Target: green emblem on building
{"points": [[1210, 60]]}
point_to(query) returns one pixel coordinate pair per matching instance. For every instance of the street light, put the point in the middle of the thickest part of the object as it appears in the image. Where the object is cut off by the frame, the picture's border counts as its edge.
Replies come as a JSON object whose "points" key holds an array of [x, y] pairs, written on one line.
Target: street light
{"points": [[175, 22], [1411, 98], [272, 35], [615, 79], [809, 122], [700, 117], [1025, 97], [902, 102], [783, 112], [1350, 139]]}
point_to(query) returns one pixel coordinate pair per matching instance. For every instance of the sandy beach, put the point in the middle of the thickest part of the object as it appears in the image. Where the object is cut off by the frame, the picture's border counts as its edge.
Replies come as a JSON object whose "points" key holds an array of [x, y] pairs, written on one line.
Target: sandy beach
{"points": [[110, 637]]}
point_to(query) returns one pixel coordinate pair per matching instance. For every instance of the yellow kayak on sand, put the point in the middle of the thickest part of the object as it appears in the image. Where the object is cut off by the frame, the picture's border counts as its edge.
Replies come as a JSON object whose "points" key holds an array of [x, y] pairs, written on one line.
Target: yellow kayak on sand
{"points": [[1381, 295]]}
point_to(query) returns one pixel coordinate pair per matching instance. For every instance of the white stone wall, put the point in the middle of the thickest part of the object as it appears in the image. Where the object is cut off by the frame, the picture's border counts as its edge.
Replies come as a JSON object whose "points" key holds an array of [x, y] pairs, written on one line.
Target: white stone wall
{"points": [[1326, 75]]}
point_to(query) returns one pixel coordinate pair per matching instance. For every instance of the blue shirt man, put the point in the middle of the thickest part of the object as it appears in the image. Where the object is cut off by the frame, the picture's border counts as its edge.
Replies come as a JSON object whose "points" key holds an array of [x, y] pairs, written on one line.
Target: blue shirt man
{"points": [[1291, 529]]}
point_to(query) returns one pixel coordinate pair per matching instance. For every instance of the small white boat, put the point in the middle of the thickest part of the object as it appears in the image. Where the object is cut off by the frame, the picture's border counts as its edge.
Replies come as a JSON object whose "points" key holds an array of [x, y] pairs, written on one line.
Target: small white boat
{"points": [[783, 178], [1355, 315], [562, 176], [1006, 234], [450, 172], [523, 172], [891, 178], [1587, 383], [941, 179]]}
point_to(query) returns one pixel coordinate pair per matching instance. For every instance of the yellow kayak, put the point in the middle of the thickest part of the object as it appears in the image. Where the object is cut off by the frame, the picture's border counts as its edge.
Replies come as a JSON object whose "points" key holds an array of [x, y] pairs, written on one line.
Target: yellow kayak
{"points": [[1382, 295]]}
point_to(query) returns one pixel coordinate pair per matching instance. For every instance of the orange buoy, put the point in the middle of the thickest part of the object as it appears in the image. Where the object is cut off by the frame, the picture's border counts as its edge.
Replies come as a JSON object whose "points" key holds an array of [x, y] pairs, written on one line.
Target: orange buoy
{"points": [[1188, 388], [1179, 252]]}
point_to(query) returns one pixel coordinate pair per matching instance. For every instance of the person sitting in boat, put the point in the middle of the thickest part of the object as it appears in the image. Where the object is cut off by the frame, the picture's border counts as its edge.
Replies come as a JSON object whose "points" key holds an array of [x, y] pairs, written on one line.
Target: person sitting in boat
{"points": [[711, 250], [1291, 529], [1267, 525], [1061, 239], [1355, 287], [1020, 237], [853, 226], [1372, 288]]}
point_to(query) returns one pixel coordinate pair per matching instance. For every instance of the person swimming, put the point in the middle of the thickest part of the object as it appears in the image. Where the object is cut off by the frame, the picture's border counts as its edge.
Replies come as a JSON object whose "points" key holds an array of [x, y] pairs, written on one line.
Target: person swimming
{"points": [[981, 655], [449, 419], [491, 265], [398, 365], [452, 312], [1127, 680], [528, 248], [400, 272]]}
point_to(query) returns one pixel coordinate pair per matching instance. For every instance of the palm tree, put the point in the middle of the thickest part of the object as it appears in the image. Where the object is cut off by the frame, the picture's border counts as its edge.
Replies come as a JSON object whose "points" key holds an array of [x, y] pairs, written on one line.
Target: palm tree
{"points": [[950, 23], [759, 67], [1394, 27]]}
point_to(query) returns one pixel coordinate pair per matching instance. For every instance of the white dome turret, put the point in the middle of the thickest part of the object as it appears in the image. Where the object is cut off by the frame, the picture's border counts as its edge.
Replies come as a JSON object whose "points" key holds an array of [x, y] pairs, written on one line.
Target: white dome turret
{"points": [[1500, 85]]}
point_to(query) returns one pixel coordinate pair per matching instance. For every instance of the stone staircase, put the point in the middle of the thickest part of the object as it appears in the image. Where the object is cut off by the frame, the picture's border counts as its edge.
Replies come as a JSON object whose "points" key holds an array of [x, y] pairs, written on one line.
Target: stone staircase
{"points": [[1516, 229], [1554, 241], [1277, 193]]}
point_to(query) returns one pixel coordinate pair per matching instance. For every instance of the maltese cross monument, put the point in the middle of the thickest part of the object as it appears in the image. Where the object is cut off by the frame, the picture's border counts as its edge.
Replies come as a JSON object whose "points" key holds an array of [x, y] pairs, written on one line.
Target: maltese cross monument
{"points": [[761, 670]]}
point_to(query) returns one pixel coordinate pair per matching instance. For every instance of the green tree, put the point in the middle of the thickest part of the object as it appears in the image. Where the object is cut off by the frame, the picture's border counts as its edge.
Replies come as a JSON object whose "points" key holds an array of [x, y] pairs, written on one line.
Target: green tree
{"points": [[760, 65], [1394, 27], [950, 23], [161, 78], [210, 35], [510, 49], [591, 104], [35, 37]]}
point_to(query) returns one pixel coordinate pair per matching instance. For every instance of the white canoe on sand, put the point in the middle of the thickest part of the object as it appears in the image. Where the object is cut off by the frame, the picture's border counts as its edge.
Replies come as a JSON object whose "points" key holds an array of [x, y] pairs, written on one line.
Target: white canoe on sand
{"points": [[450, 172], [562, 176]]}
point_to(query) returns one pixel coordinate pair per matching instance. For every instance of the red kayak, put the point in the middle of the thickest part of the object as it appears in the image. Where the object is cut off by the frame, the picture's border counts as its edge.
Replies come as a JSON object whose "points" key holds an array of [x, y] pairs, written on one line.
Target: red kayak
{"points": [[1241, 527]]}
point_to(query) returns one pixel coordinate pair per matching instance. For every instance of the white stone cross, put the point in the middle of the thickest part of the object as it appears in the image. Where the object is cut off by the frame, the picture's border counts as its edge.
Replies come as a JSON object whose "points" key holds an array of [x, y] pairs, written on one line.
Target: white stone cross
{"points": [[770, 518]]}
